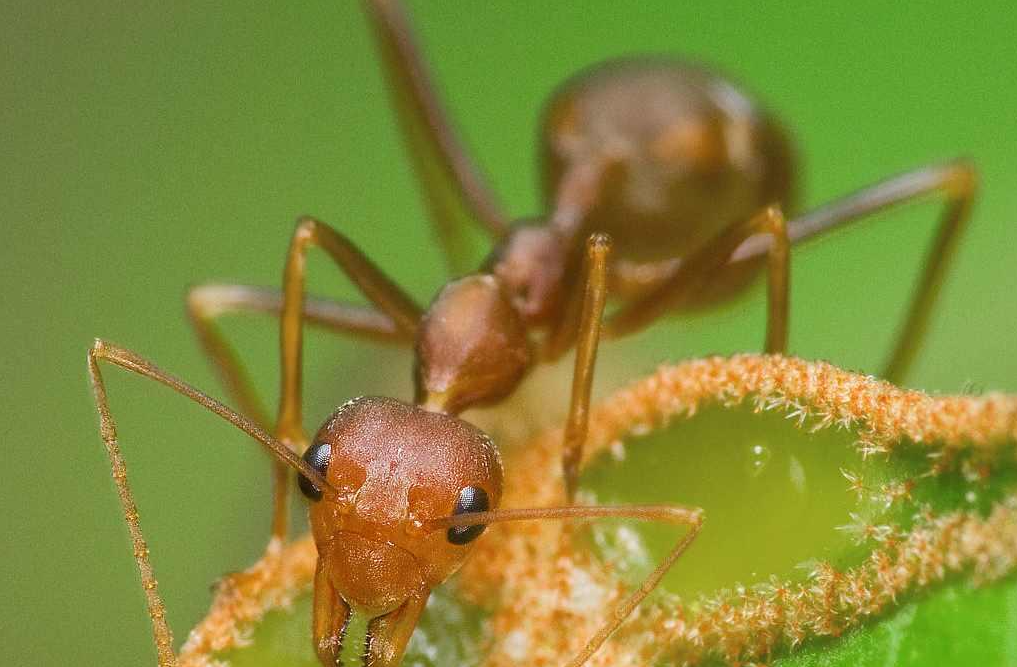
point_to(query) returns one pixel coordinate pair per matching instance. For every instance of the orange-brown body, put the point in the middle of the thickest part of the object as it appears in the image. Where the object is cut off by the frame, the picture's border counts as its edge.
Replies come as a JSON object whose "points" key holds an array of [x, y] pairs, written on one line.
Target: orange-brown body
{"points": [[684, 154], [660, 154], [664, 185], [396, 467], [686, 173]]}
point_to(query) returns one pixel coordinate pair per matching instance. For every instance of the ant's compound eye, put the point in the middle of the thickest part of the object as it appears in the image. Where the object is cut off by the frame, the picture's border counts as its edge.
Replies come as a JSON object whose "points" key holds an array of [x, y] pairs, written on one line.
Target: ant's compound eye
{"points": [[317, 456], [471, 499]]}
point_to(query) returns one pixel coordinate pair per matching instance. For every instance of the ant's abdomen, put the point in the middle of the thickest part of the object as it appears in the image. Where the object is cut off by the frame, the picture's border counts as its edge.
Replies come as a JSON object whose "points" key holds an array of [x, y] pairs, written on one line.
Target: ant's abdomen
{"points": [[684, 154]]}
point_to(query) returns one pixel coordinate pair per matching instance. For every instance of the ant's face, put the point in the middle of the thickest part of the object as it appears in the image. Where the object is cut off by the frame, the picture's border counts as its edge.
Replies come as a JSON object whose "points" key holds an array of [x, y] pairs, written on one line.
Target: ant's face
{"points": [[396, 467]]}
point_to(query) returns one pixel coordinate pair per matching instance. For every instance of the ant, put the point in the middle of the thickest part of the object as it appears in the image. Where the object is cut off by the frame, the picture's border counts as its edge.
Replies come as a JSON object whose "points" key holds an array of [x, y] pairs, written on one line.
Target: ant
{"points": [[665, 186]]}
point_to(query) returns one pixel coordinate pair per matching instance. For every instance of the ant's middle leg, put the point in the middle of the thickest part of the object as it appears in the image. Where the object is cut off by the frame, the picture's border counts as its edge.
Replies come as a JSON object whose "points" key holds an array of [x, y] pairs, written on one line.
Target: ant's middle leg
{"points": [[207, 303], [695, 271]]}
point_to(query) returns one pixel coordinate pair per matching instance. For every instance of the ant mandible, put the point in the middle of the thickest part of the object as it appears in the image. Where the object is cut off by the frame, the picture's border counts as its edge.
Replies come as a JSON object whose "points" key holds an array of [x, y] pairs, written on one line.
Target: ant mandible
{"points": [[687, 175]]}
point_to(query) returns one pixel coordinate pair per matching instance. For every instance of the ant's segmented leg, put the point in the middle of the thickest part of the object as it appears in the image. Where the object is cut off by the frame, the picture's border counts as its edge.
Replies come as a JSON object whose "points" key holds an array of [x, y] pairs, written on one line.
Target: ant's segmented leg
{"points": [[587, 336], [205, 303], [102, 351], [565, 331], [692, 517], [778, 283], [454, 189], [956, 181], [376, 286], [695, 271]]}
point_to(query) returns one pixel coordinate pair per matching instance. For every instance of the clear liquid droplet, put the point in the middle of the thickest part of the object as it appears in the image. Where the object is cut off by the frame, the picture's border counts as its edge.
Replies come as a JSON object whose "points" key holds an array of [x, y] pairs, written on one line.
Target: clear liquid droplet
{"points": [[759, 457]]}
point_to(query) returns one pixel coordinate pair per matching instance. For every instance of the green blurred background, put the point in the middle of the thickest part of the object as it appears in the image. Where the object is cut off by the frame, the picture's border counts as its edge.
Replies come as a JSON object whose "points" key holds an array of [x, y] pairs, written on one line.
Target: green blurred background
{"points": [[148, 146]]}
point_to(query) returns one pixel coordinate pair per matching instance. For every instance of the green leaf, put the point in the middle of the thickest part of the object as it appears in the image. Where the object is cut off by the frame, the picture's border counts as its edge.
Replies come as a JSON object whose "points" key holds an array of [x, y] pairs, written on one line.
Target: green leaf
{"points": [[957, 624], [789, 508], [447, 635]]}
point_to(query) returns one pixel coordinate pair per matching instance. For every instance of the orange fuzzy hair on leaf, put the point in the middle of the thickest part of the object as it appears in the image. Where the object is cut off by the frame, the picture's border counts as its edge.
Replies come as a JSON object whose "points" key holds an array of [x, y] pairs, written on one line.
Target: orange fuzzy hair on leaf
{"points": [[547, 594]]}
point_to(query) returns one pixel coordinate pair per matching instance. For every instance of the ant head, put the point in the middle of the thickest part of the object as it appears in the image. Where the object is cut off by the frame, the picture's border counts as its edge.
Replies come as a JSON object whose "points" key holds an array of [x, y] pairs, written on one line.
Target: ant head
{"points": [[530, 262], [396, 467], [472, 346]]}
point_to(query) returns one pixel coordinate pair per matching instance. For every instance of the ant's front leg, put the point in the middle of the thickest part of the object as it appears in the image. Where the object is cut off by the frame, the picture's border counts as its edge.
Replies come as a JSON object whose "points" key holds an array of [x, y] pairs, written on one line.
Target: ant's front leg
{"points": [[386, 296], [392, 319], [582, 316]]}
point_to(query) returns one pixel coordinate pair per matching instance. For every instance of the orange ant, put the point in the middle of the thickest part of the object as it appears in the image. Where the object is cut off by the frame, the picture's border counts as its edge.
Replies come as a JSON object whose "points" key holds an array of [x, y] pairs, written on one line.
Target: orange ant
{"points": [[686, 174]]}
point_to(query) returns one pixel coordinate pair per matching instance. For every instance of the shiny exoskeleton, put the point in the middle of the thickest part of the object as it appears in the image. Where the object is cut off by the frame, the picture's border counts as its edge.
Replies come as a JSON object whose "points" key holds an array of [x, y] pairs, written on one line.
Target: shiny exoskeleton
{"points": [[665, 186]]}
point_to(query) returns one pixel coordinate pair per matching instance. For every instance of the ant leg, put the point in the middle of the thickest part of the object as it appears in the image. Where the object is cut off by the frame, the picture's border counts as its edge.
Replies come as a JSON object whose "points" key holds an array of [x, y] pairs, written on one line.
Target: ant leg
{"points": [[778, 283], [206, 303], [389, 634], [330, 615], [582, 324], [956, 181], [696, 270], [107, 428], [454, 190], [691, 517], [376, 286]]}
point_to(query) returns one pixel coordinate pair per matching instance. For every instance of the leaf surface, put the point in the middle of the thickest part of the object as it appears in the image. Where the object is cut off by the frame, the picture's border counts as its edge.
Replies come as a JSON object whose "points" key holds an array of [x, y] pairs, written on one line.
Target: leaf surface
{"points": [[848, 523]]}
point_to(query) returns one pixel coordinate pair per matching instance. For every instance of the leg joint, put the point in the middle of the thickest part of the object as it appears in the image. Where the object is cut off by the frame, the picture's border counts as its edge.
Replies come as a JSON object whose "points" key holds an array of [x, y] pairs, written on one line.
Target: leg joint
{"points": [[98, 350], [773, 219], [306, 230], [961, 179]]}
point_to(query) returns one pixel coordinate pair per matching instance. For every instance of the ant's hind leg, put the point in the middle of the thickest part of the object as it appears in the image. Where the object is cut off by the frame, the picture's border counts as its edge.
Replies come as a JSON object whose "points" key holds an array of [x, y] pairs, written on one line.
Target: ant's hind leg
{"points": [[455, 191], [955, 181], [207, 303], [778, 283]]}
